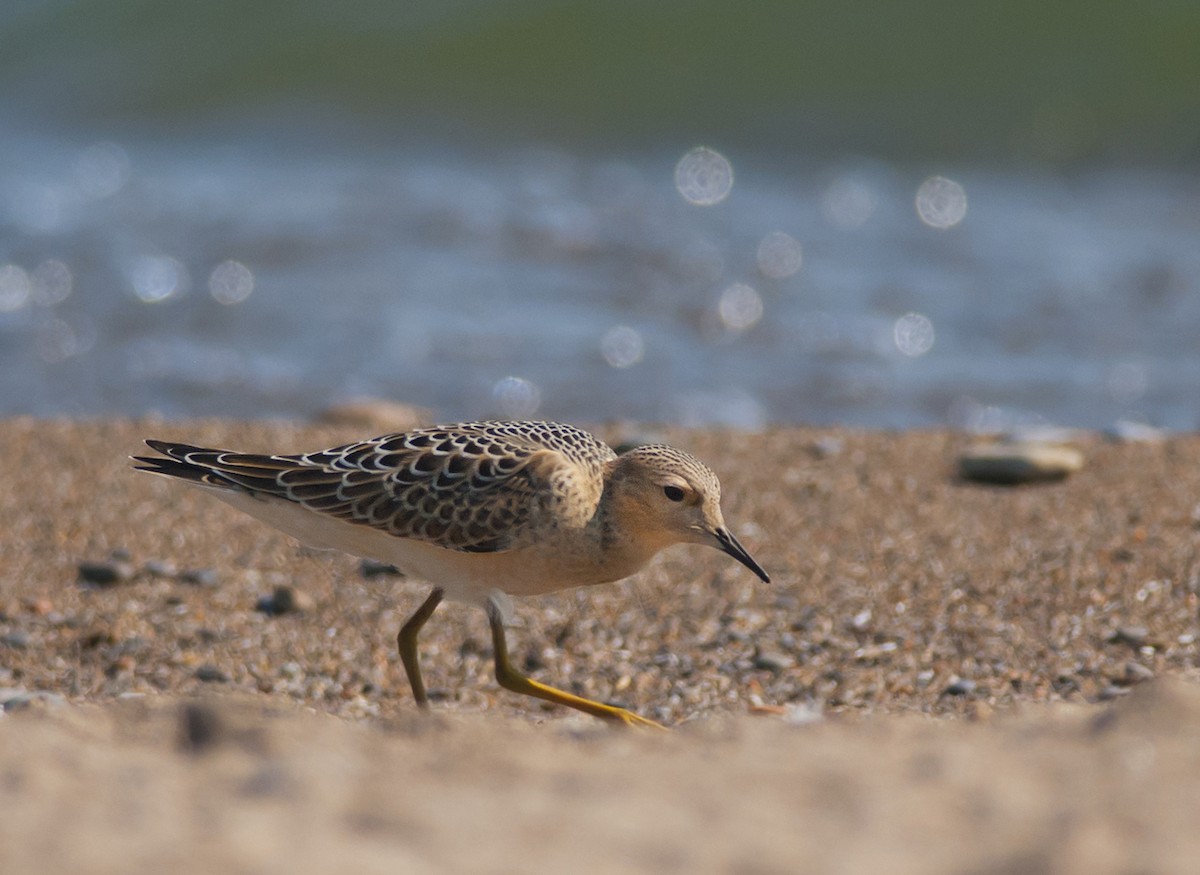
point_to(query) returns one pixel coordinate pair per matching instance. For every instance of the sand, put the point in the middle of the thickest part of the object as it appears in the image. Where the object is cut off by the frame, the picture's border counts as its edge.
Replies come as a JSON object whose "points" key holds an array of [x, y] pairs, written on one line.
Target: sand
{"points": [[942, 676]]}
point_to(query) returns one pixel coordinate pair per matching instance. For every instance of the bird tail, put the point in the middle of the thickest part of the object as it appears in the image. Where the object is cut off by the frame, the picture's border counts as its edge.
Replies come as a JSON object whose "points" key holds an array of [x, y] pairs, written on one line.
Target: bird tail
{"points": [[176, 462]]}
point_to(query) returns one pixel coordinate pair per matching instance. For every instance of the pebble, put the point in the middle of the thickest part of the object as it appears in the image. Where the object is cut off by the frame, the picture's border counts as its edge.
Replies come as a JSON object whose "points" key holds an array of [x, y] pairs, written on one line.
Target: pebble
{"points": [[632, 442], [825, 447], [18, 639], [160, 568], [768, 660], [370, 568], [199, 577], [1136, 673], [200, 727], [1128, 431], [375, 413], [18, 700], [40, 607], [805, 713], [960, 687], [1134, 636], [106, 573], [211, 674], [1040, 433], [1013, 463], [285, 600]]}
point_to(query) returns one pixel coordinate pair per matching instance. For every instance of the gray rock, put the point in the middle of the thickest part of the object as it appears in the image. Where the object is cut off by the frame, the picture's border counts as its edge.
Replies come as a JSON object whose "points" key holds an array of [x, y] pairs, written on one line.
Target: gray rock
{"points": [[27, 699], [199, 577], [1136, 673], [379, 414], [960, 687], [160, 568], [200, 727], [369, 568], [1126, 431], [1134, 636], [18, 639], [1013, 463], [106, 573], [768, 660], [805, 713], [211, 674], [285, 600], [826, 447]]}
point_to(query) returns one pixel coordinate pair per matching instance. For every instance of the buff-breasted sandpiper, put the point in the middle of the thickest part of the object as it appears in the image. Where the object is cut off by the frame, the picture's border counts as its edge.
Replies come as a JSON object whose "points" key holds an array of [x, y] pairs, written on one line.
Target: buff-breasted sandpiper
{"points": [[482, 510]]}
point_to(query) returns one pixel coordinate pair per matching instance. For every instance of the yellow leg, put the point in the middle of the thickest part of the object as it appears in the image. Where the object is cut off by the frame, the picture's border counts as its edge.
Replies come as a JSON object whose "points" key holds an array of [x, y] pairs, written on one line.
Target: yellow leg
{"points": [[511, 679], [407, 641]]}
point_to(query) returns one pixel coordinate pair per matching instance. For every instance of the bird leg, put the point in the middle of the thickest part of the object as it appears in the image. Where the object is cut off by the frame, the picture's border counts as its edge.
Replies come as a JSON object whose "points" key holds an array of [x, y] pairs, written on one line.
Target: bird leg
{"points": [[511, 679], [407, 641]]}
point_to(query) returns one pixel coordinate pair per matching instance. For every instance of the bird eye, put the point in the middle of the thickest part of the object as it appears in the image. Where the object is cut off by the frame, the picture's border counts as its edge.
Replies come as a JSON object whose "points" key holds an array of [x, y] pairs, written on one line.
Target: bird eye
{"points": [[673, 493]]}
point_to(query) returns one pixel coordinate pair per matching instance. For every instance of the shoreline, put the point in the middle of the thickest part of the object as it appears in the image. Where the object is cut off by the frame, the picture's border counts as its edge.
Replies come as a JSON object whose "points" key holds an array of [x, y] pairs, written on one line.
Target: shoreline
{"points": [[897, 590], [888, 571]]}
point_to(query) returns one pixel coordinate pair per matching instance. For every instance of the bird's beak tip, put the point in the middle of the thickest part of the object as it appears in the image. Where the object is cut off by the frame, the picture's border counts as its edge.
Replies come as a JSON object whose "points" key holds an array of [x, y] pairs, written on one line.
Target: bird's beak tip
{"points": [[729, 544]]}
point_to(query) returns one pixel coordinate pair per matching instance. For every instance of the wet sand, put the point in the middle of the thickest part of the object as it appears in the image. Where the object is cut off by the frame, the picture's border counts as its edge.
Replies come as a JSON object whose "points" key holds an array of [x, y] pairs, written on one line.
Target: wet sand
{"points": [[942, 677]]}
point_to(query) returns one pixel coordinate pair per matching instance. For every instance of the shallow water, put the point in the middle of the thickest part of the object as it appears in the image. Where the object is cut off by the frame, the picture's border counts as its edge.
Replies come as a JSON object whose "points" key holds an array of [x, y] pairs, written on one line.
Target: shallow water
{"points": [[195, 218], [198, 278]]}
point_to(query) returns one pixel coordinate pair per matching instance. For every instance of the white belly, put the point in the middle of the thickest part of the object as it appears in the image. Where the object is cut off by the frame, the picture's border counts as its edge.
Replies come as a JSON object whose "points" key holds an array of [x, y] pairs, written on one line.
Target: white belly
{"points": [[467, 577]]}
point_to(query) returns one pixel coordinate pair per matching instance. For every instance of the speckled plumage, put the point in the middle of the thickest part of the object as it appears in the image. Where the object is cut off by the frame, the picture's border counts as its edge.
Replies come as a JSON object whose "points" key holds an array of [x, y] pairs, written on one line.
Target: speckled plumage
{"points": [[476, 487], [476, 508]]}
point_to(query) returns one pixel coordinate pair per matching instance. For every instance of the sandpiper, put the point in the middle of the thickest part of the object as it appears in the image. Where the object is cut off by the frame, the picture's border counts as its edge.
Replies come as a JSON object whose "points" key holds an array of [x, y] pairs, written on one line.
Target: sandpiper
{"points": [[481, 510]]}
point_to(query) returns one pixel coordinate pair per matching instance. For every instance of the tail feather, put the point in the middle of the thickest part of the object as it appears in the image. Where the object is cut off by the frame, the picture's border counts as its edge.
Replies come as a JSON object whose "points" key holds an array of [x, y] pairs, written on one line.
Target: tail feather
{"points": [[175, 462], [248, 472]]}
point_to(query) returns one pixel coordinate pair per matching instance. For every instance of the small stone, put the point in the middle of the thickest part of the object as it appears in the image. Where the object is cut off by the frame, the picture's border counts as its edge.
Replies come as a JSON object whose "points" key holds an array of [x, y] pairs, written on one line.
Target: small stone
{"points": [[375, 413], [26, 699], [211, 674], [285, 600], [199, 577], [960, 687], [826, 447], [979, 712], [534, 661], [1009, 464], [369, 568], [39, 607], [1112, 691], [1128, 431], [1040, 433], [1136, 673], [805, 713], [1134, 636], [770, 661], [105, 573], [160, 568], [18, 639], [632, 442], [200, 727], [861, 621]]}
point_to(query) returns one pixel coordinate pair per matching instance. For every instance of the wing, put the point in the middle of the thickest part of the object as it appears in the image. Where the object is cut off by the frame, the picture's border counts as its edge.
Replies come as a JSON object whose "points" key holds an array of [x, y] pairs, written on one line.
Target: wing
{"points": [[474, 487]]}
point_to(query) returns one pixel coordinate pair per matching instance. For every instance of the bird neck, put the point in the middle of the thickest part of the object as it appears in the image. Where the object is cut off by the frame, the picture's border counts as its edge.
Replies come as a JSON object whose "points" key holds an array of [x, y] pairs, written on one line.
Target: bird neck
{"points": [[625, 534]]}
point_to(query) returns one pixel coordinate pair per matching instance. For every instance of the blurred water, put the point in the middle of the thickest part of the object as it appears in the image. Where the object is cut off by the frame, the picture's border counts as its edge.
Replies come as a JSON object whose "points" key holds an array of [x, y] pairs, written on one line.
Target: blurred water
{"points": [[203, 277], [257, 210]]}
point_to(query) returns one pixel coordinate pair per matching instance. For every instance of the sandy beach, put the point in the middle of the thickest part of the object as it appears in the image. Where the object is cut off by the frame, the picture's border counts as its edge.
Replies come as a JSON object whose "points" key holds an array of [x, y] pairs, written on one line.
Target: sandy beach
{"points": [[941, 677]]}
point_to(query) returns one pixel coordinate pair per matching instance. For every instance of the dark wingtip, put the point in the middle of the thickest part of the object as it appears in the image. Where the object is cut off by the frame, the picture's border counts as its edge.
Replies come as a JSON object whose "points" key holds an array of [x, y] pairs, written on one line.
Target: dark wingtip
{"points": [[167, 464]]}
